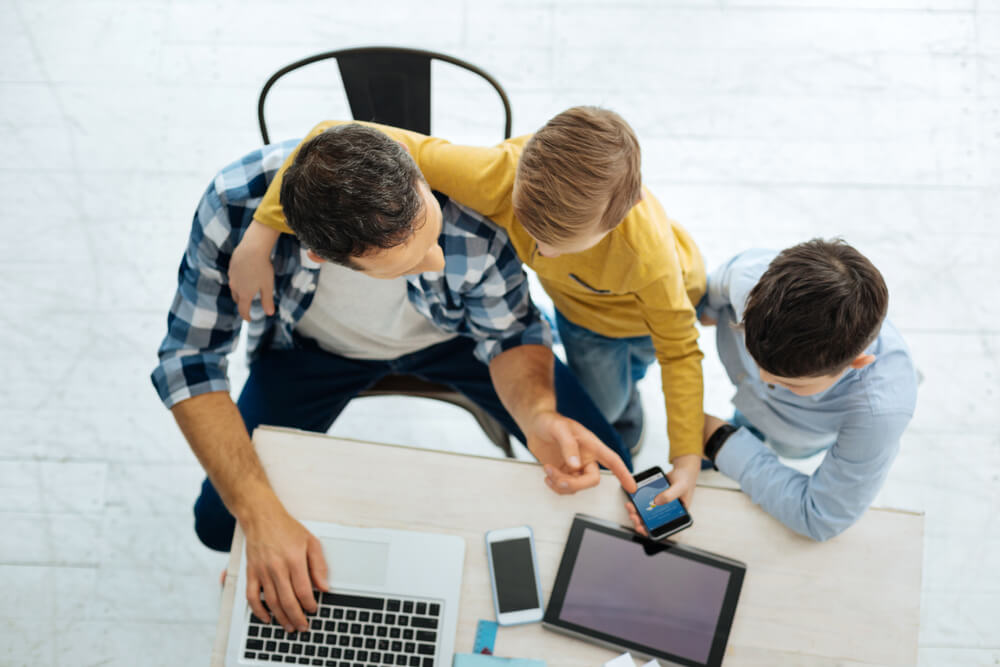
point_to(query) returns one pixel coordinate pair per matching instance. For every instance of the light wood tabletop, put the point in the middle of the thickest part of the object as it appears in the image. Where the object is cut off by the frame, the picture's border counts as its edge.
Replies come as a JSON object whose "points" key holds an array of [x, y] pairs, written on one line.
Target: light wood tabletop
{"points": [[854, 600]]}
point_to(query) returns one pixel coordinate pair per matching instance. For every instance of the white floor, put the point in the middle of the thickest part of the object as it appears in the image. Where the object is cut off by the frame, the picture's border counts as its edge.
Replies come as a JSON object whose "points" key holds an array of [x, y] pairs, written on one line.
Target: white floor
{"points": [[763, 122]]}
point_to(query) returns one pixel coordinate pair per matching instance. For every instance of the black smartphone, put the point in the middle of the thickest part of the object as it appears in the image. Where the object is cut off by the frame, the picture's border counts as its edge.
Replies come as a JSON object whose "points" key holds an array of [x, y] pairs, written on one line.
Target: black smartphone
{"points": [[660, 520]]}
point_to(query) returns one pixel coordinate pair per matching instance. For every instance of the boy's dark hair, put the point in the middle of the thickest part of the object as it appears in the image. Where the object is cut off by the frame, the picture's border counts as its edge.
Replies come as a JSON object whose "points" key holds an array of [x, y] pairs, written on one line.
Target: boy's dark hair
{"points": [[351, 189], [815, 309]]}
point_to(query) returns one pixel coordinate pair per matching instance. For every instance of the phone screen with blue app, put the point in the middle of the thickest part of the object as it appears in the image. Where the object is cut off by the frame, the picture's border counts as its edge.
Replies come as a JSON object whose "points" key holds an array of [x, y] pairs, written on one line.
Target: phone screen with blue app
{"points": [[660, 520]]}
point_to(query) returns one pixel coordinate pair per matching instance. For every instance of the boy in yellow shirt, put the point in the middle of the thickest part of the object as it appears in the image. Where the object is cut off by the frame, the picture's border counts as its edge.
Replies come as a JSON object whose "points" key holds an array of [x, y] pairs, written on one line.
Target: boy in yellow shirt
{"points": [[624, 278]]}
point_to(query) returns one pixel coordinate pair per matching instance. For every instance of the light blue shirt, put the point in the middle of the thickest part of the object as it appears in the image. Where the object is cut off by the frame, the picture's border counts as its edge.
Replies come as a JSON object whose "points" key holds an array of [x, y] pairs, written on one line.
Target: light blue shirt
{"points": [[858, 420]]}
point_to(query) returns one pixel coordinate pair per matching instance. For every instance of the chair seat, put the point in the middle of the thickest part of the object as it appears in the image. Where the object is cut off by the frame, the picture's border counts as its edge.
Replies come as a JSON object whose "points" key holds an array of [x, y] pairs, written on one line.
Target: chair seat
{"points": [[411, 385]]}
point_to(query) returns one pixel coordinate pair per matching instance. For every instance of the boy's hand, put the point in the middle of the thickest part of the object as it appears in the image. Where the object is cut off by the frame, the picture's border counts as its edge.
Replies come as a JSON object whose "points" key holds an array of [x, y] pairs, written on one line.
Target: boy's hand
{"points": [[682, 482], [250, 269], [682, 478], [707, 320], [636, 521]]}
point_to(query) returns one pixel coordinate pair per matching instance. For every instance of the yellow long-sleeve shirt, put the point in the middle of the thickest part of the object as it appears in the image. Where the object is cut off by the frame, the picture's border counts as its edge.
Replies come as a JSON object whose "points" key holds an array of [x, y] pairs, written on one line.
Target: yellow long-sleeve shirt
{"points": [[641, 279]]}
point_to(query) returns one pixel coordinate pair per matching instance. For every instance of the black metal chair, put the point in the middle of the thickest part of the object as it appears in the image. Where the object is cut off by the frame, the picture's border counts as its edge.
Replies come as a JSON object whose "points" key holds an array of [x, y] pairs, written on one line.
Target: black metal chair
{"points": [[392, 86], [386, 85]]}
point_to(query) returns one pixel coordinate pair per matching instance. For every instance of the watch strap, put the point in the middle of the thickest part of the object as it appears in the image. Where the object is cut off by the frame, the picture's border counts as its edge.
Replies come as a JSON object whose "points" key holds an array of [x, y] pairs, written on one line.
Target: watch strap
{"points": [[718, 439]]}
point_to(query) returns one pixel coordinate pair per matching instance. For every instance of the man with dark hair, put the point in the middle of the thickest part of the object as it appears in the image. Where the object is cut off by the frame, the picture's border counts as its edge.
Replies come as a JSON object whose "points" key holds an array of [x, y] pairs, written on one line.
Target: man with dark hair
{"points": [[817, 367], [624, 278], [385, 277], [336, 211]]}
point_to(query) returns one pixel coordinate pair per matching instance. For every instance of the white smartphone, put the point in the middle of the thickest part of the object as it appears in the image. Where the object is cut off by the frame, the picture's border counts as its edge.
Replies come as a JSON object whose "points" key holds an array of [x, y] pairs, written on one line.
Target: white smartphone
{"points": [[517, 593]]}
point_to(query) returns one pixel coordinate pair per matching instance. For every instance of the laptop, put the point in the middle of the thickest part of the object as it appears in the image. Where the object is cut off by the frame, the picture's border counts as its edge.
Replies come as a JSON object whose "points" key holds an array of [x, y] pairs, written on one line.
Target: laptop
{"points": [[393, 601]]}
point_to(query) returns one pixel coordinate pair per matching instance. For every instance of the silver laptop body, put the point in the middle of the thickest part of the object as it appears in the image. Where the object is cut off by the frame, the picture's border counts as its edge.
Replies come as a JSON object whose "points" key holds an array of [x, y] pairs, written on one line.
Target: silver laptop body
{"points": [[394, 601]]}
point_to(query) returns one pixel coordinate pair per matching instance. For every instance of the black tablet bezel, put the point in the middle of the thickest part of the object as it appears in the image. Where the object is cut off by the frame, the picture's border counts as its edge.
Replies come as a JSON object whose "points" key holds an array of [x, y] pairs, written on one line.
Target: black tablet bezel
{"points": [[581, 522]]}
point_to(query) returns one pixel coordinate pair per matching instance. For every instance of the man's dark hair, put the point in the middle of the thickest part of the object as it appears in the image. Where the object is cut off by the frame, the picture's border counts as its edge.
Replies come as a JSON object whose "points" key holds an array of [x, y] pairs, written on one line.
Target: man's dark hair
{"points": [[815, 309], [351, 190]]}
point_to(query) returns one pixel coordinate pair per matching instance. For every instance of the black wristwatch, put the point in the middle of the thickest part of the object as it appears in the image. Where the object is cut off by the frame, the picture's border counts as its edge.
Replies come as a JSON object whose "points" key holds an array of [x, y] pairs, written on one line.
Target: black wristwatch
{"points": [[717, 440]]}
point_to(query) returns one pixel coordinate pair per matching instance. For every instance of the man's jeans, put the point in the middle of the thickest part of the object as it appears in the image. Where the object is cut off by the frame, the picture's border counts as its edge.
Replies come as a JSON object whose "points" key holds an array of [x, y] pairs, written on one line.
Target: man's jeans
{"points": [[609, 368], [307, 388]]}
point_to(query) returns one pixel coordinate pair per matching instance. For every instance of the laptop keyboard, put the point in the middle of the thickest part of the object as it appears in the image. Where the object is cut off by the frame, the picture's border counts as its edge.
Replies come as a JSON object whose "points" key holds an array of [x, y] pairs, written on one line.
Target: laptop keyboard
{"points": [[352, 631]]}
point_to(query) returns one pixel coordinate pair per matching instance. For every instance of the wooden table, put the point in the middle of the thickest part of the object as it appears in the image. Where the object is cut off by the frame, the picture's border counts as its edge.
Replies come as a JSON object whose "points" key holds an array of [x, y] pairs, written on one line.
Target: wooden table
{"points": [[854, 600]]}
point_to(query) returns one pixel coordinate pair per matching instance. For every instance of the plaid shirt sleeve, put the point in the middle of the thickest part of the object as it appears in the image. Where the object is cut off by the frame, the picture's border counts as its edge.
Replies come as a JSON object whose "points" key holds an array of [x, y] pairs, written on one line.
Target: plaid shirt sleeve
{"points": [[483, 292], [203, 324]]}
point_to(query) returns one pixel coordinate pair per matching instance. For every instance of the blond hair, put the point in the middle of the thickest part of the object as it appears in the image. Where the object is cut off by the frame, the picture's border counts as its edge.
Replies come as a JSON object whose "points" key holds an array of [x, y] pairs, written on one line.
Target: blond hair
{"points": [[582, 166]]}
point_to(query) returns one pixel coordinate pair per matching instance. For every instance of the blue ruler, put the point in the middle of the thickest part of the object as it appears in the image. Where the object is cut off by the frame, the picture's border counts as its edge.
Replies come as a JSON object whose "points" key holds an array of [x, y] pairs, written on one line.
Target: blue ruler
{"points": [[486, 637]]}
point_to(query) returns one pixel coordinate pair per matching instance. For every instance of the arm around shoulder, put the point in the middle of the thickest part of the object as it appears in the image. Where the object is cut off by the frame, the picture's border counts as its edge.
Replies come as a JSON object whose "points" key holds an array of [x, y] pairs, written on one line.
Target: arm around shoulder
{"points": [[250, 269]]}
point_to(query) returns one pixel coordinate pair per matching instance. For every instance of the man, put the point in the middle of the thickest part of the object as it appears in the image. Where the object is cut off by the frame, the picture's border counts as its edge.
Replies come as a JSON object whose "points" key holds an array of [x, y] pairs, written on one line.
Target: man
{"points": [[386, 281], [623, 276], [817, 368]]}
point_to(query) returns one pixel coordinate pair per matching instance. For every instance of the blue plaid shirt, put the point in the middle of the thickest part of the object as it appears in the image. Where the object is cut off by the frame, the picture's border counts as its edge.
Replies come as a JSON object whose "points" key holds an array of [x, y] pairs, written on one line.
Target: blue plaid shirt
{"points": [[482, 292]]}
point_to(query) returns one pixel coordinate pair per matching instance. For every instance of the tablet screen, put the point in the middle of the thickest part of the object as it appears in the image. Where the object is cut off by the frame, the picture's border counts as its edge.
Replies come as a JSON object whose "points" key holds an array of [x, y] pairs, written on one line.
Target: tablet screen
{"points": [[665, 599], [667, 602]]}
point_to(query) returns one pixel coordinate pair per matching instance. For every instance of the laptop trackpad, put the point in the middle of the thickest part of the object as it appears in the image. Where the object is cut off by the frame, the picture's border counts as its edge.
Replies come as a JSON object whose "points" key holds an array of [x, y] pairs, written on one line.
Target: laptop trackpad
{"points": [[356, 562]]}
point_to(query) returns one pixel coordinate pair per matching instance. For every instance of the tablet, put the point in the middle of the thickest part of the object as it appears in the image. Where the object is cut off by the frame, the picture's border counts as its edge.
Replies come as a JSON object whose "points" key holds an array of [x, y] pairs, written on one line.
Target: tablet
{"points": [[655, 599]]}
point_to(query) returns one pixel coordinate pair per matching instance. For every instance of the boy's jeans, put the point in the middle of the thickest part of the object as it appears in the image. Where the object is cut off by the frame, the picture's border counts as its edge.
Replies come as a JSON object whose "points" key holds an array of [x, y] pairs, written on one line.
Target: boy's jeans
{"points": [[609, 368]]}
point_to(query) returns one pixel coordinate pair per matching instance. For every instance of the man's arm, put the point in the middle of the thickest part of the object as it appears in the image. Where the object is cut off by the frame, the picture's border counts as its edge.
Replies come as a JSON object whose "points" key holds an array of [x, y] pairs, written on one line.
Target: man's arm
{"points": [[281, 553], [830, 500], [202, 330], [489, 301], [523, 379]]}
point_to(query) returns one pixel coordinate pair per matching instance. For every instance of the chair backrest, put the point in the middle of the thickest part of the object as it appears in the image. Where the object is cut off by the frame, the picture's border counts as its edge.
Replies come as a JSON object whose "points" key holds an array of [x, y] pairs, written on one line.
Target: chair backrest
{"points": [[386, 85]]}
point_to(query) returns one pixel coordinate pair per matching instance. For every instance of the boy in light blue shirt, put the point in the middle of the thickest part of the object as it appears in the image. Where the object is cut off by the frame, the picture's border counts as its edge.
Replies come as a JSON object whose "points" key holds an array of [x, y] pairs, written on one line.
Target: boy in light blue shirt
{"points": [[817, 367]]}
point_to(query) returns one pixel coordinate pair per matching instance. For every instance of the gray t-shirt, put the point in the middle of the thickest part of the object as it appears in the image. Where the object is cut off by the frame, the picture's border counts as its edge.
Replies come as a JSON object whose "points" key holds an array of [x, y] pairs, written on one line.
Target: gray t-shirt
{"points": [[360, 317]]}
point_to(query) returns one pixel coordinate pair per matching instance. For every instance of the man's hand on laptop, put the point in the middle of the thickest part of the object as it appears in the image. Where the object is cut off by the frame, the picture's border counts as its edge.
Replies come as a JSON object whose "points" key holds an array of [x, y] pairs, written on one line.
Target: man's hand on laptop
{"points": [[570, 454], [285, 561]]}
